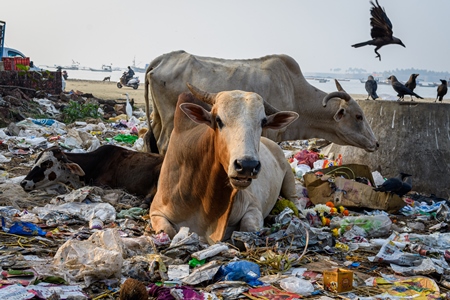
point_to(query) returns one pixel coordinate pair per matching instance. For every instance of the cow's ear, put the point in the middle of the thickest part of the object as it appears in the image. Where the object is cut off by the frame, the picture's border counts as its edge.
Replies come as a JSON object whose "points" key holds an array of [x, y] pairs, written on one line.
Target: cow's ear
{"points": [[75, 169], [339, 115], [197, 113], [280, 119]]}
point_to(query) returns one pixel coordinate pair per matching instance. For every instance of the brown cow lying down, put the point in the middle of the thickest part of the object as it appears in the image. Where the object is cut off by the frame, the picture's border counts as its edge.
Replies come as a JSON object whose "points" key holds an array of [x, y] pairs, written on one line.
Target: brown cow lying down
{"points": [[219, 174], [108, 166]]}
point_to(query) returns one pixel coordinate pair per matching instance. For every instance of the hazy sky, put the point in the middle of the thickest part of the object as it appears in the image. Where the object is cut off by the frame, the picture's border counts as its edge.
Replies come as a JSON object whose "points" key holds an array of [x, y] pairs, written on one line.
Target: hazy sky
{"points": [[318, 34]]}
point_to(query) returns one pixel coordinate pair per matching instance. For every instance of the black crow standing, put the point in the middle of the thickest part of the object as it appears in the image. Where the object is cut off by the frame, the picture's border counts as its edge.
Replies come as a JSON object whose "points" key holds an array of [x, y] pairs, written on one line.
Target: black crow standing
{"points": [[393, 184], [441, 90], [381, 31], [371, 88], [406, 186], [401, 89], [411, 83]]}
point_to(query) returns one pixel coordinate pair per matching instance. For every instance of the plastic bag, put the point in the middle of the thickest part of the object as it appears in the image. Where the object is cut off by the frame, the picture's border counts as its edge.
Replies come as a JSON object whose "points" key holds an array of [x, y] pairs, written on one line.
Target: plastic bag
{"points": [[96, 258], [240, 271], [297, 285], [374, 226], [125, 138], [26, 228], [301, 170]]}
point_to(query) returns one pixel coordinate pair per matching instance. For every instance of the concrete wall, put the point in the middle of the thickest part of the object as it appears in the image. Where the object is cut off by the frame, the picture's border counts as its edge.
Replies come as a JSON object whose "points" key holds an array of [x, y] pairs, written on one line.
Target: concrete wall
{"points": [[414, 138]]}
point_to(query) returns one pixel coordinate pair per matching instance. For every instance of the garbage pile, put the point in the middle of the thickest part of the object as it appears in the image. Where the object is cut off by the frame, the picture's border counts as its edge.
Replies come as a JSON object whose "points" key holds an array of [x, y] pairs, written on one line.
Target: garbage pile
{"points": [[96, 243]]}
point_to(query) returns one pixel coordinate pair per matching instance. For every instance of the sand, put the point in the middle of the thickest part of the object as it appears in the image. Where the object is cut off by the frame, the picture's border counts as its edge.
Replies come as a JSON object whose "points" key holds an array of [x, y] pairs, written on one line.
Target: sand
{"points": [[110, 91], [107, 90]]}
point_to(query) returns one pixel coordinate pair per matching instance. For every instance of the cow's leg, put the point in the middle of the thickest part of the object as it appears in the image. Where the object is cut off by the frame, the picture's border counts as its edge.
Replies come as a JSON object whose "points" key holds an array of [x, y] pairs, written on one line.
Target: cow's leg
{"points": [[252, 220], [288, 190], [160, 223]]}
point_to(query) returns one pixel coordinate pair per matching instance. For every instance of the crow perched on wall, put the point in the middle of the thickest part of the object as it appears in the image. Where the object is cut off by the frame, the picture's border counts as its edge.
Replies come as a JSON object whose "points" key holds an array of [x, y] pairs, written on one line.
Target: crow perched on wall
{"points": [[381, 31], [371, 88], [401, 89], [411, 83], [441, 90]]}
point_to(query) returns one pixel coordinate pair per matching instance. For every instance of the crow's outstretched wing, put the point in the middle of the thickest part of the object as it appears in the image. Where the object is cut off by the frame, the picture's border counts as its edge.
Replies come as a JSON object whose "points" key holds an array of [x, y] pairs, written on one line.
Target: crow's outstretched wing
{"points": [[381, 25]]}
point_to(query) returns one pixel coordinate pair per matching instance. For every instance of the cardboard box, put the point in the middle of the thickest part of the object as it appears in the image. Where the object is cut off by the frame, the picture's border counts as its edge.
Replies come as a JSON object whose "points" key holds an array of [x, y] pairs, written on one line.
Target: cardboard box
{"points": [[348, 192], [338, 280]]}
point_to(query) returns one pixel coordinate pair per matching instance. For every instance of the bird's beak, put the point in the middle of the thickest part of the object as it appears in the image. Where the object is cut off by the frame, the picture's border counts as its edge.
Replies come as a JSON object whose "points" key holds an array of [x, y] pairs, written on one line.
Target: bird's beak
{"points": [[403, 45]]}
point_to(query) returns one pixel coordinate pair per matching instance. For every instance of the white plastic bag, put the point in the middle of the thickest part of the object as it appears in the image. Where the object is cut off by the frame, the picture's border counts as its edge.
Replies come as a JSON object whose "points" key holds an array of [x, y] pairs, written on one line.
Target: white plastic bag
{"points": [[99, 257], [297, 285]]}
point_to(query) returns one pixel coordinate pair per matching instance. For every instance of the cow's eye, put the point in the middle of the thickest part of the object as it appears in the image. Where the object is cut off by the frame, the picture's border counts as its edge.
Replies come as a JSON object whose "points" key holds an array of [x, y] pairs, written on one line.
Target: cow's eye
{"points": [[359, 117], [46, 164], [219, 122], [263, 122]]}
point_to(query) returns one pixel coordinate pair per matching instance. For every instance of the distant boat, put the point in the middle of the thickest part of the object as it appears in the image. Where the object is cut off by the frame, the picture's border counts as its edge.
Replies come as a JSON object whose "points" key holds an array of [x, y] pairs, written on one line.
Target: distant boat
{"points": [[105, 68], [427, 84], [322, 80], [136, 68], [377, 79], [74, 66]]}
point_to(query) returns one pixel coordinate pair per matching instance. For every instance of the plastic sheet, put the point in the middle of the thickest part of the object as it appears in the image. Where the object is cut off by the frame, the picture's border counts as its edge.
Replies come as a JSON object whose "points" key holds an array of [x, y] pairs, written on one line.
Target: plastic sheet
{"points": [[240, 270], [96, 258], [297, 285]]}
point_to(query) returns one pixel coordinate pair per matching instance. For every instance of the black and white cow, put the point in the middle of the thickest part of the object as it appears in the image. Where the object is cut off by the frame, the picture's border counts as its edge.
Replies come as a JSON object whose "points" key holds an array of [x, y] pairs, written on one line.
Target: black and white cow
{"points": [[108, 166]]}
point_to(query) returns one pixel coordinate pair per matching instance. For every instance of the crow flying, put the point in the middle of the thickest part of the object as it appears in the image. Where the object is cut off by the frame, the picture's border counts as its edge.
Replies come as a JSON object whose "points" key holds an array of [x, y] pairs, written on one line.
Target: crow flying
{"points": [[371, 88], [441, 90], [401, 89], [381, 31]]}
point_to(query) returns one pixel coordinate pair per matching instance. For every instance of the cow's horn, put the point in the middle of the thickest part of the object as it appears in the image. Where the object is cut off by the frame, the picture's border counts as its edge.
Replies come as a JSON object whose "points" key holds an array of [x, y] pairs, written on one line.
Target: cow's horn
{"points": [[338, 86], [269, 109], [342, 95], [209, 98]]}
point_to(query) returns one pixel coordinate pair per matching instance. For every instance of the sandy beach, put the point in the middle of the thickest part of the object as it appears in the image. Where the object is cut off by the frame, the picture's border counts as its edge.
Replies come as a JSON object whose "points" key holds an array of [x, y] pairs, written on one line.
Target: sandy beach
{"points": [[110, 91], [107, 90]]}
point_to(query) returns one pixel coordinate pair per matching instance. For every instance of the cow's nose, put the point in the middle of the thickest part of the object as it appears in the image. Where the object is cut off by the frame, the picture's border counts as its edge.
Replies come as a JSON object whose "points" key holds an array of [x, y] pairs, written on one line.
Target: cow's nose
{"points": [[247, 167], [23, 183]]}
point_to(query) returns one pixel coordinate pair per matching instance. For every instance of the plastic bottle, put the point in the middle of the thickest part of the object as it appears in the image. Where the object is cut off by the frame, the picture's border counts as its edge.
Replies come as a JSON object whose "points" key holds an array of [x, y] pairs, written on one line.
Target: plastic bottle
{"points": [[95, 223], [47, 122], [374, 226]]}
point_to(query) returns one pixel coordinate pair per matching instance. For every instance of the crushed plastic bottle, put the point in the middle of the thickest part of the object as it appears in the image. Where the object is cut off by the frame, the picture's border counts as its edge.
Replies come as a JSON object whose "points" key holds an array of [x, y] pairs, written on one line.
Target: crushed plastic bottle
{"points": [[374, 226]]}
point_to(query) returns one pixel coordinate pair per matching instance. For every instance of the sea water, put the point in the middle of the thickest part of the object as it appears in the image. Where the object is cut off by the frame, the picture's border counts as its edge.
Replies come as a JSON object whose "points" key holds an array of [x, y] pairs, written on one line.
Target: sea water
{"points": [[353, 86]]}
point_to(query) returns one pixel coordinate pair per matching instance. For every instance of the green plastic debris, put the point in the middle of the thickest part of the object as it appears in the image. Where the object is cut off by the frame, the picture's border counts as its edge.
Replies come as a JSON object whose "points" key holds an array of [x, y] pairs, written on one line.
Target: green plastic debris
{"points": [[281, 204], [195, 262], [126, 138], [132, 213]]}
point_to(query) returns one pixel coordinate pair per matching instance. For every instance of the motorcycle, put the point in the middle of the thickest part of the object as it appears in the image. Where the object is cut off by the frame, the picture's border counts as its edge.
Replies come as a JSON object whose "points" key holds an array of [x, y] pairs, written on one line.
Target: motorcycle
{"points": [[133, 82]]}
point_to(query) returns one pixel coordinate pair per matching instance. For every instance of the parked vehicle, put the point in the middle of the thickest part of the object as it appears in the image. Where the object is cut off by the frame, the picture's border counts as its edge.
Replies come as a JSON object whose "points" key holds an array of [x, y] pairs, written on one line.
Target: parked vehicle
{"points": [[10, 52], [133, 82]]}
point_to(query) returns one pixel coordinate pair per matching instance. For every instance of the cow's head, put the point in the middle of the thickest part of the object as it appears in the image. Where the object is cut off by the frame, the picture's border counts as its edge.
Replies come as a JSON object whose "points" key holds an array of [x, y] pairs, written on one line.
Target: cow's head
{"points": [[352, 126], [50, 168], [237, 118]]}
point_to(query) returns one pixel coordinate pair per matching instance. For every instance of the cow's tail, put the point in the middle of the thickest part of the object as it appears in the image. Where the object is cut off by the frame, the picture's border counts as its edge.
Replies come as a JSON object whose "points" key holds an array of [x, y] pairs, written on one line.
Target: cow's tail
{"points": [[150, 144]]}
